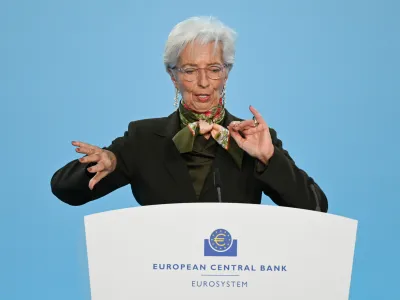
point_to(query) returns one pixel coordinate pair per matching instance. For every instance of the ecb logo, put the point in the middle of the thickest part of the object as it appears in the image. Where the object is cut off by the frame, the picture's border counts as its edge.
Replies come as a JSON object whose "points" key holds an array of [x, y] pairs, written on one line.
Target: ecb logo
{"points": [[220, 244]]}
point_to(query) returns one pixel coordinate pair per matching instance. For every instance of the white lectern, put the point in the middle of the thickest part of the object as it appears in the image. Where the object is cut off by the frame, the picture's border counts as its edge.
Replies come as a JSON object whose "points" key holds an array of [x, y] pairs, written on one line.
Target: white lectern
{"points": [[219, 251]]}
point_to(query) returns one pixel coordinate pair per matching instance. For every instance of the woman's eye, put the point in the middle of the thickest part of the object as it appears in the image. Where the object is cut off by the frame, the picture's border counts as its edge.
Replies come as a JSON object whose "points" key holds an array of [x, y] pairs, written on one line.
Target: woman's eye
{"points": [[190, 71], [215, 70]]}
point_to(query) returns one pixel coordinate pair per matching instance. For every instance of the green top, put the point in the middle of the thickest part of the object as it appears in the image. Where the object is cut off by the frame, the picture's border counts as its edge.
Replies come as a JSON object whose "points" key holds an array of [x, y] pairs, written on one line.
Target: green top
{"points": [[196, 150], [199, 161]]}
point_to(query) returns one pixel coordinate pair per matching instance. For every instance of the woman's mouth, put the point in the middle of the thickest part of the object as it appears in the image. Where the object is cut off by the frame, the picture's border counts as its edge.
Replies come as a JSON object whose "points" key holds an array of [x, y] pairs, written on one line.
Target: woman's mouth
{"points": [[203, 97]]}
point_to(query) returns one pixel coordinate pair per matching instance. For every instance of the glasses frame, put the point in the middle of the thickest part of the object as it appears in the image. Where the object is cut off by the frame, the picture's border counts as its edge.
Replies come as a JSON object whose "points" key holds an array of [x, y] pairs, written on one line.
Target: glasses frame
{"points": [[181, 70]]}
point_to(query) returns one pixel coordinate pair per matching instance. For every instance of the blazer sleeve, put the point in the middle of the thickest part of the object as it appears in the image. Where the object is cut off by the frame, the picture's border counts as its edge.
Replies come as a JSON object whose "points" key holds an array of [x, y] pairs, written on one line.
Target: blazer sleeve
{"points": [[286, 184], [70, 183]]}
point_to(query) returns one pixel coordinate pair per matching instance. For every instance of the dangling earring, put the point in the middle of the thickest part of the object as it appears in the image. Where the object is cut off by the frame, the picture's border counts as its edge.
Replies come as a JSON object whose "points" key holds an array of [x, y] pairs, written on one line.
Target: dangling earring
{"points": [[223, 94], [176, 99]]}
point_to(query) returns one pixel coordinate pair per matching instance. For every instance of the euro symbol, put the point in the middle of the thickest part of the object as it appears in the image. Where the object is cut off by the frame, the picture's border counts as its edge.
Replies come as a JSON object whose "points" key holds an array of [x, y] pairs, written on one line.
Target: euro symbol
{"points": [[220, 238]]}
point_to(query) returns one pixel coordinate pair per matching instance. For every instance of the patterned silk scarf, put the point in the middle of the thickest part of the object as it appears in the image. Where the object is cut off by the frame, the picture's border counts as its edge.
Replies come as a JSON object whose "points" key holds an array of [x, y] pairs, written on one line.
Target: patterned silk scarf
{"points": [[194, 124]]}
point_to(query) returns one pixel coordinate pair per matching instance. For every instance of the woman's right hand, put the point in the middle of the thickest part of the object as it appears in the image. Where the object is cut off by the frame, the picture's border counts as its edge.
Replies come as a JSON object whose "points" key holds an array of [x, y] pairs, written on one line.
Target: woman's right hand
{"points": [[105, 161]]}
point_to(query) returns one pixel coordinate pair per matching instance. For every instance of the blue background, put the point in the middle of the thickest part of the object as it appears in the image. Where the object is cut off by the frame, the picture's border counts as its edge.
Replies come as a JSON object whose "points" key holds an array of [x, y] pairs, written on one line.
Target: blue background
{"points": [[324, 74]]}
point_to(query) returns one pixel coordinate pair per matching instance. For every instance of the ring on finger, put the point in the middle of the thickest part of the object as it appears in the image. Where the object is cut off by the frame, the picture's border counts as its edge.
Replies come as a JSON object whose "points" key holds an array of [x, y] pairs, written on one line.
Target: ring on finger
{"points": [[255, 122]]}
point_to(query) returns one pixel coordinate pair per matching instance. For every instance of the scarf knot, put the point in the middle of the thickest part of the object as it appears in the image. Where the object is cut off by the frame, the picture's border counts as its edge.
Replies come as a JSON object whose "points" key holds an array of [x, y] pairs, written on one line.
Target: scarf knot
{"points": [[194, 124]]}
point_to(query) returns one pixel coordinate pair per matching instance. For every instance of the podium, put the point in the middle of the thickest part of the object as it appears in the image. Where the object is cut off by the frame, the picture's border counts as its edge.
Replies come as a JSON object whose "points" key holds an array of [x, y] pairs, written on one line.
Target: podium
{"points": [[219, 251]]}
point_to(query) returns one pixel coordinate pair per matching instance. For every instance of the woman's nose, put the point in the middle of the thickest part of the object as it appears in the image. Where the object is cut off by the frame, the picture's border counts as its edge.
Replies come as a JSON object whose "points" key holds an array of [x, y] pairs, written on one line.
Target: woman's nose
{"points": [[202, 79]]}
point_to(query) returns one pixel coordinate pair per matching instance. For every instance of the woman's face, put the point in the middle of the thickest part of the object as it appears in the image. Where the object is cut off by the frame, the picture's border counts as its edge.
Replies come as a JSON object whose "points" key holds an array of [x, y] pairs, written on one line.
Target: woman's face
{"points": [[202, 93]]}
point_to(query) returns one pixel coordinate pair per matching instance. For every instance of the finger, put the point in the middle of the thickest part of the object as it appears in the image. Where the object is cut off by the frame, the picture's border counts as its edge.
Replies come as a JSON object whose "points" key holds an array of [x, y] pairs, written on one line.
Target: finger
{"points": [[99, 167], [252, 130], [257, 115], [85, 147], [244, 125], [96, 178], [204, 127], [81, 144], [87, 150], [233, 124], [90, 158]]}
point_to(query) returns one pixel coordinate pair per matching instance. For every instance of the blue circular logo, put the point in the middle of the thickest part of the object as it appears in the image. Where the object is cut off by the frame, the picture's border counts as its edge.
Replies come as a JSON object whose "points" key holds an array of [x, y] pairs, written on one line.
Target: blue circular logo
{"points": [[220, 240]]}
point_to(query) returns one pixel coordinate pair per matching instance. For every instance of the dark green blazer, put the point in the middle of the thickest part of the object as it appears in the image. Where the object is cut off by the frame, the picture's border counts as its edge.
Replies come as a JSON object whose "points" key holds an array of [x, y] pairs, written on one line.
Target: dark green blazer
{"points": [[148, 160]]}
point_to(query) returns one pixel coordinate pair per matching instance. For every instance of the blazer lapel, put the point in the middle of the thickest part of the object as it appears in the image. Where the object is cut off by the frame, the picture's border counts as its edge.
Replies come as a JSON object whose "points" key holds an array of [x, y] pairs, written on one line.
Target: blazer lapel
{"points": [[229, 171], [173, 161]]}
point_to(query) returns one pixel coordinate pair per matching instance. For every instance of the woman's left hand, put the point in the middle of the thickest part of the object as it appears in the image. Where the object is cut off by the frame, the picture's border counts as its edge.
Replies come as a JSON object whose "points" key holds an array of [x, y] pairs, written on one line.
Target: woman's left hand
{"points": [[257, 139]]}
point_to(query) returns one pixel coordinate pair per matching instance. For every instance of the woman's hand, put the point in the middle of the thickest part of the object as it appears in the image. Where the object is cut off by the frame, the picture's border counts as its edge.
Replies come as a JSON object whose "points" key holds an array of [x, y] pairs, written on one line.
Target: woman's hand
{"points": [[105, 161], [257, 139]]}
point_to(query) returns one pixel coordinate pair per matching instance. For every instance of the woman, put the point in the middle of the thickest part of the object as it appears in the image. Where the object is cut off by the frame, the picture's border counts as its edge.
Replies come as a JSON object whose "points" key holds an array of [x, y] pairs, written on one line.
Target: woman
{"points": [[174, 159]]}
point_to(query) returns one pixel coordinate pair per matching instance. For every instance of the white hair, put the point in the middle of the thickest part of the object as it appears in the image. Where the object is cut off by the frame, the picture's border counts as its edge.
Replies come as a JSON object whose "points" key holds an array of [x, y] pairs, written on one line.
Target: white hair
{"points": [[203, 30]]}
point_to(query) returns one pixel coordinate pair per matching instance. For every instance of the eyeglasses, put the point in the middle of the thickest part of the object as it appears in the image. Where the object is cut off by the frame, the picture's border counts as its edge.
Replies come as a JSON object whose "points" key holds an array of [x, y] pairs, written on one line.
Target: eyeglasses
{"points": [[191, 73]]}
